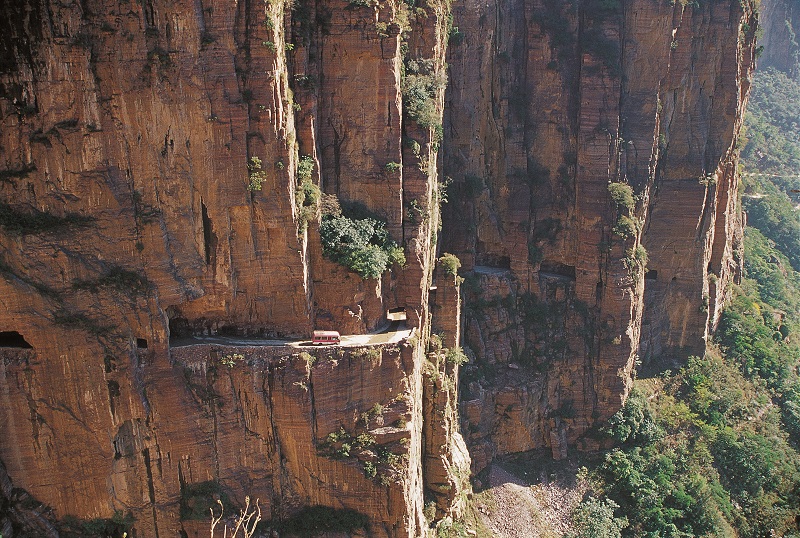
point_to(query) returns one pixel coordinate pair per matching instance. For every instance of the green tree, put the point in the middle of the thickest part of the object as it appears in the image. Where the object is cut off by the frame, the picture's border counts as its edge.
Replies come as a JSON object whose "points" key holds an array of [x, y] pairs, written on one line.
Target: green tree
{"points": [[594, 518], [362, 245]]}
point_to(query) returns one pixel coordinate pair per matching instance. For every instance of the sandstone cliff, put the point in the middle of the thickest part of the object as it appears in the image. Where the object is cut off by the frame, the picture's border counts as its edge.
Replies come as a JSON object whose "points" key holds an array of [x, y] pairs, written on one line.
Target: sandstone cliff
{"points": [[159, 167], [153, 160], [779, 21], [587, 140]]}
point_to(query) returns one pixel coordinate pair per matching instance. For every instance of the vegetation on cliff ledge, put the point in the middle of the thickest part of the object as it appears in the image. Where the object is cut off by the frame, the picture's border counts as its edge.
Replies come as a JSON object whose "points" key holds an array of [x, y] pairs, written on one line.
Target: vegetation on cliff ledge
{"points": [[360, 244], [421, 84], [712, 449]]}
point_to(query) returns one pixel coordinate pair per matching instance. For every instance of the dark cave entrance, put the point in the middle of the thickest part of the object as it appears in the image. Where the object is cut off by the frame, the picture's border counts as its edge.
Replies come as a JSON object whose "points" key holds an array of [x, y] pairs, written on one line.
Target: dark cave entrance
{"points": [[13, 339]]}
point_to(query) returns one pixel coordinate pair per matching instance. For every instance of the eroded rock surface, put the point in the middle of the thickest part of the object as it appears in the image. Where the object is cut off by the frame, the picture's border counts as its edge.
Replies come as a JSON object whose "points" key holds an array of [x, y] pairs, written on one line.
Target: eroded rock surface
{"points": [[149, 189], [548, 104]]}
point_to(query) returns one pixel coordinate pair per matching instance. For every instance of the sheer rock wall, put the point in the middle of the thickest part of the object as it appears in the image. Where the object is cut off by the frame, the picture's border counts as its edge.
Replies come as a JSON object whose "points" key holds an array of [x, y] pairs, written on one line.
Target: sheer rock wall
{"points": [[148, 178], [548, 103]]}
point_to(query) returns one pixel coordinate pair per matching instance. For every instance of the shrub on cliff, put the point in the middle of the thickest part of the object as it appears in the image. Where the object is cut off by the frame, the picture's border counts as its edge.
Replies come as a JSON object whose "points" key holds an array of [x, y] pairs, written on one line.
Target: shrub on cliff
{"points": [[362, 245], [595, 519], [625, 227], [307, 194], [622, 195], [256, 174], [634, 422], [450, 264], [420, 86], [457, 356], [636, 260]]}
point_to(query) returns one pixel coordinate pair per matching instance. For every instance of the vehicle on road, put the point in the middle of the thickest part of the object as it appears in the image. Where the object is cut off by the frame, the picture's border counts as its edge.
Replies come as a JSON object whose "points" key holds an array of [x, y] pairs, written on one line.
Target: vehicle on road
{"points": [[325, 338]]}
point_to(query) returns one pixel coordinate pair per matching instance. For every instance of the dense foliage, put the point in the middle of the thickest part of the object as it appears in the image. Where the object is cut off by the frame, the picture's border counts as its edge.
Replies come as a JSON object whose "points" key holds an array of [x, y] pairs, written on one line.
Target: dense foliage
{"points": [[704, 452], [771, 210], [773, 125], [420, 85], [712, 450], [362, 245], [771, 159]]}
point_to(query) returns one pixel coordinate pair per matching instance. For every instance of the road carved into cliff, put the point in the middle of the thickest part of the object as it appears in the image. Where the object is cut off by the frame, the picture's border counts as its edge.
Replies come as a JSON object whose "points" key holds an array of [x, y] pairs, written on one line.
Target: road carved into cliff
{"points": [[391, 334]]}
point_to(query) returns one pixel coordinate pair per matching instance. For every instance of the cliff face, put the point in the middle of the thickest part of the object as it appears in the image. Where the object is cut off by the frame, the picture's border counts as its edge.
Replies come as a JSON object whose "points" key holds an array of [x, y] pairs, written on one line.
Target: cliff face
{"points": [[260, 421], [150, 189], [594, 137], [780, 20], [156, 184]]}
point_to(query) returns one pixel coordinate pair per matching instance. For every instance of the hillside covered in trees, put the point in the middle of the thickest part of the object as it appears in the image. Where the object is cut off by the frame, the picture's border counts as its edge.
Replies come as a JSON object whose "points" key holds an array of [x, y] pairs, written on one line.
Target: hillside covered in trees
{"points": [[712, 448]]}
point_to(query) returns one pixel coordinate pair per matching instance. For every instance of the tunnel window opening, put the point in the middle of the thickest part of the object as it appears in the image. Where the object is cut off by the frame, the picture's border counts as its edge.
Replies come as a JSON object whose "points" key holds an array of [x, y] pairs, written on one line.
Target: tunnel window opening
{"points": [[229, 330], [141, 343], [13, 339], [651, 274], [396, 314], [556, 269], [493, 260]]}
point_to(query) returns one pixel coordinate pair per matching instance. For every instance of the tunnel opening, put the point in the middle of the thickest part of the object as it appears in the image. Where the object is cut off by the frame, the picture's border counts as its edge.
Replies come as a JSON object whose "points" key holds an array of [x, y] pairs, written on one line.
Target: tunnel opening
{"points": [[493, 260], [13, 339], [396, 314], [179, 326], [557, 269]]}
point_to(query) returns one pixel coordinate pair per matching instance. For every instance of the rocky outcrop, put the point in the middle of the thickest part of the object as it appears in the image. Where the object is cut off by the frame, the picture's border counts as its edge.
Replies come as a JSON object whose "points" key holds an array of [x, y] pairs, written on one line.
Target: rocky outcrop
{"points": [[160, 163], [595, 135], [447, 462], [446, 466], [270, 422], [150, 189], [779, 21]]}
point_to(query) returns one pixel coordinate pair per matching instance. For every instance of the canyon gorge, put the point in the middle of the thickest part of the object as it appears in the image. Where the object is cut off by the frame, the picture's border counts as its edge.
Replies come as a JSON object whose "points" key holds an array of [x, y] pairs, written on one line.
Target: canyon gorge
{"points": [[172, 174]]}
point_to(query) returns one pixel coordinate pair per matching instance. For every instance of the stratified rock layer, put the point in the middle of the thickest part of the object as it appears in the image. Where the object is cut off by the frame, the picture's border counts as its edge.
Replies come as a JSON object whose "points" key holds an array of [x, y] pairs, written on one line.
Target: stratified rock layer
{"points": [[548, 103], [251, 419], [148, 190], [149, 156]]}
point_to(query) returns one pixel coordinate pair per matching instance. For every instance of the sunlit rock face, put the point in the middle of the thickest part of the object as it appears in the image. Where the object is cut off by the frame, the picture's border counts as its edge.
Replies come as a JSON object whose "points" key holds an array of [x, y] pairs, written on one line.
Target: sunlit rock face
{"points": [[150, 191], [548, 104]]}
